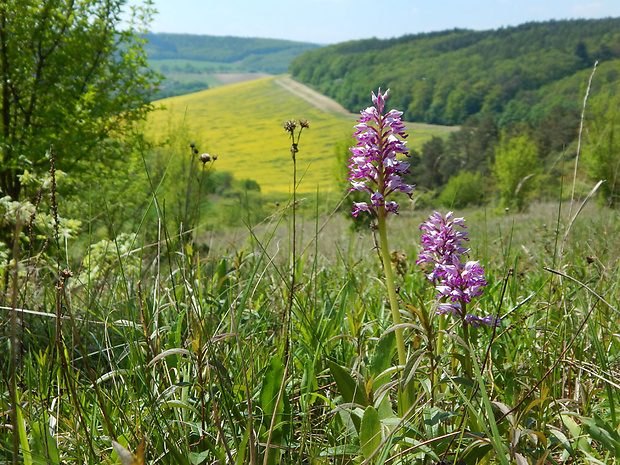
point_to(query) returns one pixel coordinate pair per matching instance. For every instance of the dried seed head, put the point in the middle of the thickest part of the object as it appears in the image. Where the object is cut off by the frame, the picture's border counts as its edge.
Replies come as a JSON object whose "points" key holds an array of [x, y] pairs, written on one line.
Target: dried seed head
{"points": [[66, 273], [290, 125], [205, 157], [304, 123]]}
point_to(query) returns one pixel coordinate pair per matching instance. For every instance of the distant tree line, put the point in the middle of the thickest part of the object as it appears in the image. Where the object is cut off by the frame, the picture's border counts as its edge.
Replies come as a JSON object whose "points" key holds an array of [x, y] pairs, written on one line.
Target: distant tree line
{"points": [[172, 88], [266, 55], [517, 94], [516, 74]]}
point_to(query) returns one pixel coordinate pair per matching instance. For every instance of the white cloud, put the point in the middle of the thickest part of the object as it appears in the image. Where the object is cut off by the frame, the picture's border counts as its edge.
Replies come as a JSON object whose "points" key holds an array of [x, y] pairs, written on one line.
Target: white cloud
{"points": [[587, 8]]}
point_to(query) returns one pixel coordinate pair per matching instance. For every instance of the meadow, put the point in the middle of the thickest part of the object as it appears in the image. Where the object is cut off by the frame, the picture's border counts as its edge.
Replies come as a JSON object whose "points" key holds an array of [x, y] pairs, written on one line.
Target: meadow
{"points": [[243, 124], [299, 339], [178, 354], [213, 74]]}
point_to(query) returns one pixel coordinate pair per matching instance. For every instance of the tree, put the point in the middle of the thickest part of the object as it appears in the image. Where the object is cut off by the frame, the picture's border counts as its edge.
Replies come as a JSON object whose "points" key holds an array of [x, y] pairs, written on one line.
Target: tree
{"points": [[427, 173], [70, 77], [581, 50], [516, 162], [602, 153], [464, 189]]}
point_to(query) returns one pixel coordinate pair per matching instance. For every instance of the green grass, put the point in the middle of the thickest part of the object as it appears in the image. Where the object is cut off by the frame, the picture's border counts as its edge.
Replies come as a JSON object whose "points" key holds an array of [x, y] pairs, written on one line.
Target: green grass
{"points": [[243, 125], [175, 347]]}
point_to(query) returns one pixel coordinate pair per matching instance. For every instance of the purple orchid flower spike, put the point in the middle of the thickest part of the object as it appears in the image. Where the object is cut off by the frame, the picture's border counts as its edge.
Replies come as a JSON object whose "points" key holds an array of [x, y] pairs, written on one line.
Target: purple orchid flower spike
{"points": [[456, 281], [374, 166]]}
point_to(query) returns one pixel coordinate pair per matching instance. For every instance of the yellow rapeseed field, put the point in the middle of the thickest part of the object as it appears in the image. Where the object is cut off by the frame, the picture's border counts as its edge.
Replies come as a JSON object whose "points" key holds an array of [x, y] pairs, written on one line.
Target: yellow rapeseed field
{"points": [[243, 124]]}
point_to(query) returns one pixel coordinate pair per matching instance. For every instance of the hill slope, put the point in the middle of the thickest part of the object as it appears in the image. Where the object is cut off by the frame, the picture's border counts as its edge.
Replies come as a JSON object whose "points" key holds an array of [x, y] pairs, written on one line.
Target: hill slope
{"points": [[243, 124], [516, 74], [270, 56]]}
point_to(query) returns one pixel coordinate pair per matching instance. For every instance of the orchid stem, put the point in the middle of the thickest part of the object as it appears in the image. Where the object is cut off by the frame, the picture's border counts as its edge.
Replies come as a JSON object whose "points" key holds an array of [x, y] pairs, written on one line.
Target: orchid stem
{"points": [[389, 280]]}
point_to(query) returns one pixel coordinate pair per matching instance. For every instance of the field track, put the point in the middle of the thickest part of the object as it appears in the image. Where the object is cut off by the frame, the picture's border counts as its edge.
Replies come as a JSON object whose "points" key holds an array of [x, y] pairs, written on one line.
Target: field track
{"points": [[311, 96], [328, 105], [234, 78]]}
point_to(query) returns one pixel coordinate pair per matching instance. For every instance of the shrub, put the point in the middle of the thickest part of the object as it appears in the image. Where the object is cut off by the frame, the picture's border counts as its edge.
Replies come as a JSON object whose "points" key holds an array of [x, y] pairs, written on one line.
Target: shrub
{"points": [[464, 189], [516, 162]]}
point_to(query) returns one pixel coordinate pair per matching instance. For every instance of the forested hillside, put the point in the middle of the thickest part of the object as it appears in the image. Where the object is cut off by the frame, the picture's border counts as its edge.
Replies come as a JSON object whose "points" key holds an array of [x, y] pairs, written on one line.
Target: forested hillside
{"points": [[517, 94], [518, 73], [267, 55]]}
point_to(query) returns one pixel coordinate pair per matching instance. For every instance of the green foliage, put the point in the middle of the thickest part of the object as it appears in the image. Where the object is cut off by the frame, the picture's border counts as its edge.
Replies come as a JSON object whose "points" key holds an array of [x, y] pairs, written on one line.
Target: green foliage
{"points": [[516, 163], [39, 224], [173, 352], [173, 88], [176, 350], [370, 432], [445, 77], [602, 150], [69, 77], [470, 149], [425, 168], [249, 54], [462, 190]]}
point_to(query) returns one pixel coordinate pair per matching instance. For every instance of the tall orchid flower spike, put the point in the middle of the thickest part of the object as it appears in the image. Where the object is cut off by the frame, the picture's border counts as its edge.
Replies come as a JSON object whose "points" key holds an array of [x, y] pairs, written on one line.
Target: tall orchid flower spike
{"points": [[374, 166], [376, 170]]}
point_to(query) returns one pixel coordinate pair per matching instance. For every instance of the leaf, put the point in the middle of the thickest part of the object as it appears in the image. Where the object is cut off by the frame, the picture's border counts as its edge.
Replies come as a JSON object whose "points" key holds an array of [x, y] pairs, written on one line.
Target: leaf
{"points": [[23, 437], [349, 389], [533, 404], [382, 359], [385, 409], [370, 432], [463, 382], [198, 457], [175, 403], [560, 436], [178, 457], [126, 457], [240, 458], [113, 373], [571, 425], [165, 353], [413, 362], [521, 460], [279, 427], [308, 385], [339, 451], [44, 444], [272, 380], [476, 452], [575, 431], [604, 433], [535, 436]]}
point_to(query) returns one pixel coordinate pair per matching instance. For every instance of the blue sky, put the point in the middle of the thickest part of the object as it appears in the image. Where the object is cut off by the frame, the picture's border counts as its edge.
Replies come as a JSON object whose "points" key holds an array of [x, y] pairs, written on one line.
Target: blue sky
{"points": [[331, 21]]}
